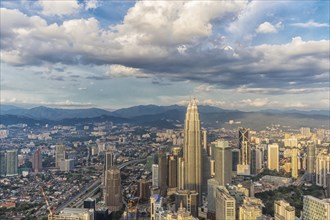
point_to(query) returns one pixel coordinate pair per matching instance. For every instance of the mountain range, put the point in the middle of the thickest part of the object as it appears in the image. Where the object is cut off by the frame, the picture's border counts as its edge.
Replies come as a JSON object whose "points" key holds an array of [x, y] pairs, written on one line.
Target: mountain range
{"points": [[164, 116]]}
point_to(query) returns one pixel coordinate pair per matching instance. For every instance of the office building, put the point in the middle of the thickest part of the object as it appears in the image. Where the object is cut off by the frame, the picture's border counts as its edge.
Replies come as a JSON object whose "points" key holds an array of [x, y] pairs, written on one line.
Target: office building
{"points": [[225, 204], [251, 209], [192, 151], [235, 159], [11, 163], [74, 214], [294, 162], [109, 160], [222, 156], [144, 189], [206, 166], [311, 162], [244, 146], [67, 165], [162, 172], [89, 203], [180, 185], [3, 163], [172, 171], [155, 180], [156, 203], [188, 199], [322, 168], [315, 209], [284, 211], [259, 159], [328, 185], [59, 154], [253, 162], [273, 157], [305, 132], [212, 185], [113, 195], [37, 161]]}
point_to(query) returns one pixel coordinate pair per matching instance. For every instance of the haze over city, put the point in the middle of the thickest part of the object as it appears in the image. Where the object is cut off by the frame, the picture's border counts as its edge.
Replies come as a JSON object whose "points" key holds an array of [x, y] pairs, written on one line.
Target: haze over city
{"points": [[243, 55]]}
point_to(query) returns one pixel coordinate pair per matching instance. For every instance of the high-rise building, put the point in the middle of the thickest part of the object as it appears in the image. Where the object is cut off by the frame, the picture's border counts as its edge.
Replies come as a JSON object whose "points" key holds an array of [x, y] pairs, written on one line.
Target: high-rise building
{"points": [[273, 157], [244, 145], [37, 161], [109, 160], [59, 154], [328, 185], [284, 211], [322, 168], [314, 208], [206, 166], [11, 163], [156, 204], [180, 185], [222, 156], [311, 162], [188, 199], [305, 132], [3, 163], [225, 204], [162, 172], [155, 180], [235, 159], [144, 189], [172, 171], [251, 209], [113, 195], [67, 165], [259, 159], [212, 185], [294, 162], [192, 151]]}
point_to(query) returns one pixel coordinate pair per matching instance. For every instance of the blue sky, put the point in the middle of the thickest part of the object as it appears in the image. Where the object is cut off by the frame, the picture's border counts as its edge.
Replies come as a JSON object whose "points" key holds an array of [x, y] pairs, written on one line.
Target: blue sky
{"points": [[244, 55]]}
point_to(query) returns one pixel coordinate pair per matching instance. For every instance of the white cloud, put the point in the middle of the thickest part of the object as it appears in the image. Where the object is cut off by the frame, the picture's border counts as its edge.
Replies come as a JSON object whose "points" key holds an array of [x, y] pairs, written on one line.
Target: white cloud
{"points": [[59, 7], [259, 102], [266, 27], [91, 4], [310, 24], [123, 71], [205, 88]]}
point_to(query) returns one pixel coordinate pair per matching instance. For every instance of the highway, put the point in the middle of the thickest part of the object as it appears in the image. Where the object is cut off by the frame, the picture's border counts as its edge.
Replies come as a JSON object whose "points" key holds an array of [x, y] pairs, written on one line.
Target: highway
{"points": [[90, 190]]}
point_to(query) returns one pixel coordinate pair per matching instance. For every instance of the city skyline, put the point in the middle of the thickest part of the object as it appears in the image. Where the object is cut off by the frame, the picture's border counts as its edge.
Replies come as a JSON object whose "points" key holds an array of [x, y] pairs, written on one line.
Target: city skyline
{"points": [[245, 55]]}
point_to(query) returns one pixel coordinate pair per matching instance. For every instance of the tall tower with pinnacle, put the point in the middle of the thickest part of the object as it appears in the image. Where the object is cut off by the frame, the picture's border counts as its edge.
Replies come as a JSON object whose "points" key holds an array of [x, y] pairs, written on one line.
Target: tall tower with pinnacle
{"points": [[192, 151]]}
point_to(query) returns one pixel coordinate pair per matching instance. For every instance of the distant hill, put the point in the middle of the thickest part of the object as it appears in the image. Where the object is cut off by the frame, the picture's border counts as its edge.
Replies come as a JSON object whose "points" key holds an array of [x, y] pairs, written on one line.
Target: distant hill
{"points": [[42, 112], [166, 116]]}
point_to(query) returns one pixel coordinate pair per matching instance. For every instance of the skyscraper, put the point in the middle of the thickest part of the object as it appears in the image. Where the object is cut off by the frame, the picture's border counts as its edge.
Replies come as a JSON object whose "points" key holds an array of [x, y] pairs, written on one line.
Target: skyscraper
{"points": [[192, 150], [244, 145], [37, 161], [3, 163], [294, 163], [190, 187], [12, 163], [109, 160], [59, 154], [322, 168], [162, 172], [155, 180], [206, 166], [222, 155], [235, 159], [273, 157], [113, 195], [172, 171], [251, 209], [311, 162]]}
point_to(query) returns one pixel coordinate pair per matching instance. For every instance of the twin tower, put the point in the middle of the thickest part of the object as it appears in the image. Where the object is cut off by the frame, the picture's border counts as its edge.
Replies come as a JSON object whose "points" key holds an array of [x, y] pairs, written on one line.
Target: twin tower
{"points": [[189, 192]]}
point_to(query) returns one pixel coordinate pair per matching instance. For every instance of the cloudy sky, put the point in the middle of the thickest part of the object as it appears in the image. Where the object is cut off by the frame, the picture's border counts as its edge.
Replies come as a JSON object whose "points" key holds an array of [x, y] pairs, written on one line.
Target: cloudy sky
{"points": [[232, 54]]}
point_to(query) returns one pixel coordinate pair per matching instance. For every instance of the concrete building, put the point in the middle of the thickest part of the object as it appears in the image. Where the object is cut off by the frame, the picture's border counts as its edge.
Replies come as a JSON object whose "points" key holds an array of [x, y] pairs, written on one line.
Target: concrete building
{"points": [[225, 204], [284, 211], [188, 199], [235, 159], [244, 145], [144, 189], [212, 185], [315, 209], [162, 172], [251, 209], [206, 166], [11, 163], [59, 154], [192, 151], [294, 163], [311, 162], [222, 156], [67, 165], [155, 180], [113, 195], [305, 132], [259, 159], [37, 161], [156, 203], [322, 168], [273, 157], [3, 163], [172, 171], [74, 214]]}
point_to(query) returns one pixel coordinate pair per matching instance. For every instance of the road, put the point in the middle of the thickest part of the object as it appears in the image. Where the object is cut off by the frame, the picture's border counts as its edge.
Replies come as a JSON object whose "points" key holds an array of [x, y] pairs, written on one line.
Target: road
{"points": [[90, 190]]}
